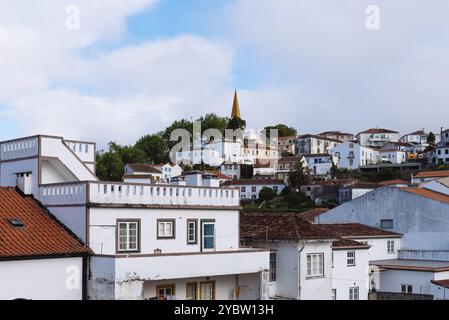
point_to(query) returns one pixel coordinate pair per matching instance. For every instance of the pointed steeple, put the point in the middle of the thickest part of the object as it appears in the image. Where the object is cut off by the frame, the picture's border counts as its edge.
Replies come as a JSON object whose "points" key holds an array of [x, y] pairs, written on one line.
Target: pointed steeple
{"points": [[235, 107]]}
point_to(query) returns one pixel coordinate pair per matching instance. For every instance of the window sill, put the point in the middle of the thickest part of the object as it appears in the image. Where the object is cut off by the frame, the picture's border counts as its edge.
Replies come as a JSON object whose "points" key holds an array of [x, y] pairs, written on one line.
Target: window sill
{"points": [[314, 277]]}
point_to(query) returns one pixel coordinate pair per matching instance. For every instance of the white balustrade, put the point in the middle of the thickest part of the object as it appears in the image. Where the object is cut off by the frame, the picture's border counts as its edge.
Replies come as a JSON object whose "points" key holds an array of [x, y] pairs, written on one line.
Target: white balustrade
{"points": [[21, 148]]}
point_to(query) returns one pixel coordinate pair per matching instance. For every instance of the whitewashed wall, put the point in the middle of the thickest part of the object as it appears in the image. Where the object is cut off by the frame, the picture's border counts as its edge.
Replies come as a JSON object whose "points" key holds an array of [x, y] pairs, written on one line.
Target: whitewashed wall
{"points": [[40, 279], [345, 277]]}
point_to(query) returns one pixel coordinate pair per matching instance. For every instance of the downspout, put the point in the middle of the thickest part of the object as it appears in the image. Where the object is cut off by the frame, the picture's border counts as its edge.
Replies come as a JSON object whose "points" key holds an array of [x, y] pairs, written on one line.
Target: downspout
{"points": [[299, 268]]}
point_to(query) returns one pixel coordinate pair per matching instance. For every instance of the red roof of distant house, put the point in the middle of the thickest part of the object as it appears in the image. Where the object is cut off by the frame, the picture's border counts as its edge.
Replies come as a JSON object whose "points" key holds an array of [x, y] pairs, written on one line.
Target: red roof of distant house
{"points": [[432, 174], [147, 168], [40, 235], [378, 130], [393, 182], [306, 136], [245, 182], [220, 175]]}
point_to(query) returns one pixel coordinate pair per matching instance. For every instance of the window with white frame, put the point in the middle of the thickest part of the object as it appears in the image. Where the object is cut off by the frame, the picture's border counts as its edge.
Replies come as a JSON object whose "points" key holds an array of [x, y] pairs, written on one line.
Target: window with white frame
{"points": [[192, 231], [350, 258], [165, 229], [315, 264], [406, 288], [354, 293], [128, 236], [390, 246]]}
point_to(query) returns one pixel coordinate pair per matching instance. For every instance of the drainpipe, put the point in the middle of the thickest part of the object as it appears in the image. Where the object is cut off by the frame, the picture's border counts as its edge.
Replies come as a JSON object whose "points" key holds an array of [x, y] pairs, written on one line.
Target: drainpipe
{"points": [[299, 268]]}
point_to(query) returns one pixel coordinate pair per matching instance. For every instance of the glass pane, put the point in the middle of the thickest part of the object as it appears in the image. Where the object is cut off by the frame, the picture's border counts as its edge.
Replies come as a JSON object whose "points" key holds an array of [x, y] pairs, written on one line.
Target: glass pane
{"points": [[208, 242], [208, 229]]}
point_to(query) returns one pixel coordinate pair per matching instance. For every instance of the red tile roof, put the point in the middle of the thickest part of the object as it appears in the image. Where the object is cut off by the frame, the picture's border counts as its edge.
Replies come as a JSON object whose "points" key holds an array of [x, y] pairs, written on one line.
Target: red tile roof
{"points": [[430, 194], [143, 168], [246, 182], [280, 226], [378, 130], [432, 174], [357, 230], [442, 283], [392, 182], [344, 244], [311, 214], [41, 235], [220, 175]]}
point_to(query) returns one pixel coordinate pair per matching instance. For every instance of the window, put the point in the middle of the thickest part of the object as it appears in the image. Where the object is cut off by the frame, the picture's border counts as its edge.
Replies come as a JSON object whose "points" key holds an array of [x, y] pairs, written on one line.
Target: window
{"points": [[128, 236], [354, 293], [191, 232], [386, 223], [350, 258], [315, 264], [165, 229], [191, 291], [390, 246], [166, 292], [406, 288], [207, 290], [208, 235], [253, 189], [243, 189], [272, 266]]}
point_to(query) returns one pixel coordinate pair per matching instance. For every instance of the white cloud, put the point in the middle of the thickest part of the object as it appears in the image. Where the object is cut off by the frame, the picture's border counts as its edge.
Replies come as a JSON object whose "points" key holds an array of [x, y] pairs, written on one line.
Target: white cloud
{"points": [[332, 73], [118, 95]]}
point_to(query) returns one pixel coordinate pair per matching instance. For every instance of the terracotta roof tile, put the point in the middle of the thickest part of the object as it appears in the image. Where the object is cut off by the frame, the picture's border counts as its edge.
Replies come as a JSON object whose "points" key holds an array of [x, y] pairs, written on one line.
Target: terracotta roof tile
{"points": [[280, 226], [143, 168], [392, 182], [442, 283], [432, 174], [343, 244], [378, 130], [357, 230], [311, 214], [41, 235], [243, 182], [427, 193]]}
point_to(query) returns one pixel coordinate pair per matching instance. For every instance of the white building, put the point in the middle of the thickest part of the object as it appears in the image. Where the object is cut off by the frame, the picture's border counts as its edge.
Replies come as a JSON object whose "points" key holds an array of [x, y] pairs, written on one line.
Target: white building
{"points": [[352, 155], [320, 164], [39, 258], [313, 144], [393, 156], [377, 137], [416, 137], [148, 241], [309, 261], [250, 188], [141, 173]]}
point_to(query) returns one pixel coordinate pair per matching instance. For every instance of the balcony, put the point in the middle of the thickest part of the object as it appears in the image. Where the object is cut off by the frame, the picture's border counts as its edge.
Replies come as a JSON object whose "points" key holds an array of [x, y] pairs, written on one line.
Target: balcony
{"points": [[137, 195]]}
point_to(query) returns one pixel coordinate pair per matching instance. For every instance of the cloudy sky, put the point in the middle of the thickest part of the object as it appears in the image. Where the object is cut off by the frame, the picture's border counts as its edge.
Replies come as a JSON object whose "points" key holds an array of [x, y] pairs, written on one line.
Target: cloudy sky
{"points": [[134, 66]]}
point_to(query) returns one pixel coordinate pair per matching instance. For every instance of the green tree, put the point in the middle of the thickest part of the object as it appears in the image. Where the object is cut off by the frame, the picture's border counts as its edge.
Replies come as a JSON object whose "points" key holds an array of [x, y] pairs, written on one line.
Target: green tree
{"points": [[236, 123], [212, 121], [110, 166], [128, 154], [299, 175], [246, 171], [154, 147], [283, 130], [431, 138], [267, 194]]}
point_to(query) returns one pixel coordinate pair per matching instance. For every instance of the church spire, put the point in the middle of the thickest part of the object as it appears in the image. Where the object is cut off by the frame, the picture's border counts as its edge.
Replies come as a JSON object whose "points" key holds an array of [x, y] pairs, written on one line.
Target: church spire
{"points": [[235, 107]]}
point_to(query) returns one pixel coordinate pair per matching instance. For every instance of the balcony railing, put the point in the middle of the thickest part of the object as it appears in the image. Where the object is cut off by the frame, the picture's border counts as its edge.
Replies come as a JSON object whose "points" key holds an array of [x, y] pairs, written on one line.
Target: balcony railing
{"points": [[20, 148]]}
